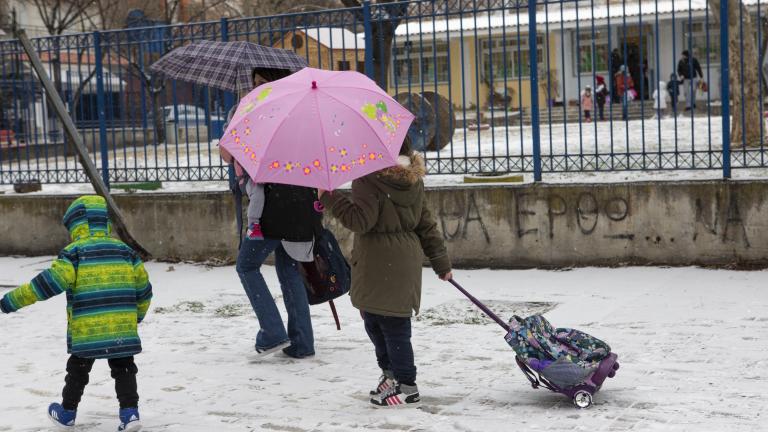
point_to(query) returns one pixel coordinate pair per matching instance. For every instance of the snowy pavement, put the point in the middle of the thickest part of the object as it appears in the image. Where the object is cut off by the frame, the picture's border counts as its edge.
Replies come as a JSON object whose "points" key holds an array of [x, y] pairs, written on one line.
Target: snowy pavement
{"points": [[691, 343]]}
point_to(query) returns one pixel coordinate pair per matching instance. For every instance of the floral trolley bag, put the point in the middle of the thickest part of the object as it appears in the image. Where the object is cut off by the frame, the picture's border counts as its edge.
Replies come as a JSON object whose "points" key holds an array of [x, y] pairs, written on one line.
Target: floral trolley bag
{"points": [[563, 360]]}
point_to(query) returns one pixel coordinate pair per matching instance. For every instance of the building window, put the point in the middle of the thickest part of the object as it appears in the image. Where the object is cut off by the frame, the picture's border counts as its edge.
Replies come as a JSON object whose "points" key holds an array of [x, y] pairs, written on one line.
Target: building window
{"points": [[343, 65], [695, 39], [587, 54], [420, 63], [504, 59], [361, 67]]}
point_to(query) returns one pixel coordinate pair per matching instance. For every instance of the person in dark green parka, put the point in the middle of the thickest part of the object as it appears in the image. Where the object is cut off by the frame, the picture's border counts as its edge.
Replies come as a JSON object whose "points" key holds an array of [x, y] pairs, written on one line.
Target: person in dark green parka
{"points": [[393, 229]]}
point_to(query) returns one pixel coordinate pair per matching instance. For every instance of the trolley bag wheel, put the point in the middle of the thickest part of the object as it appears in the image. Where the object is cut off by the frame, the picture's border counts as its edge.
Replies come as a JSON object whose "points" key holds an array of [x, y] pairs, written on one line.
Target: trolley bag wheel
{"points": [[582, 399]]}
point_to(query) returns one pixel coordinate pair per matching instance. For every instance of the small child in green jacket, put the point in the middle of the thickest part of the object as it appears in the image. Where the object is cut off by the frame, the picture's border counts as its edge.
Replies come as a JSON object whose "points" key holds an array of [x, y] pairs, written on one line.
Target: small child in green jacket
{"points": [[108, 294], [393, 229]]}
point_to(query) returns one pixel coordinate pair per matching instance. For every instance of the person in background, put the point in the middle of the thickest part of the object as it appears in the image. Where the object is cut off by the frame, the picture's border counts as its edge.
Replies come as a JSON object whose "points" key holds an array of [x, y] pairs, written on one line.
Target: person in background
{"points": [[689, 70], [660, 96], [616, 64], [673, 88], [624, 84], [601, 93], [587, 104]]}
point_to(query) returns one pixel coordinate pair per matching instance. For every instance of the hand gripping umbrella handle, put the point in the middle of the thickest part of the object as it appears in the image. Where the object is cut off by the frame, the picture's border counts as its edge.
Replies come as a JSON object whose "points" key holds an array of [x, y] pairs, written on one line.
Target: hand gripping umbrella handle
{"points": [[482, 307]]}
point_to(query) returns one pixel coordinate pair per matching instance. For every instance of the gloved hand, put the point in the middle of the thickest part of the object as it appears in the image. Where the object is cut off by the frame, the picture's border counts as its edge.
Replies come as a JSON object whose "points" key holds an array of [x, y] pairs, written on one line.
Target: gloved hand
{"points": [[254, 232], [3, 307]]}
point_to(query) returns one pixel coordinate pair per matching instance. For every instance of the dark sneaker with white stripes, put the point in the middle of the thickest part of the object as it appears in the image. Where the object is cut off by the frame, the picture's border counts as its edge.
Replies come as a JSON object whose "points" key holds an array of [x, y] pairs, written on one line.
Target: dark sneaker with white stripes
{"points": [[397, 395], [386, 380]]}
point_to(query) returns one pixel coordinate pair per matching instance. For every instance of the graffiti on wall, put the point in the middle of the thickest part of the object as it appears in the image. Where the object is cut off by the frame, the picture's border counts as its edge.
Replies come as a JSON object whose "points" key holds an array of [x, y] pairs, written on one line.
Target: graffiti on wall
{"points": [[548, 214]]}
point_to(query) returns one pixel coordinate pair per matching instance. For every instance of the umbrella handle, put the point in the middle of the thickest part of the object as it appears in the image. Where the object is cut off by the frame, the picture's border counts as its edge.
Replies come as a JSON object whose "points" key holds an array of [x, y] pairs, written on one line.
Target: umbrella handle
{"points": [[482, 307]]}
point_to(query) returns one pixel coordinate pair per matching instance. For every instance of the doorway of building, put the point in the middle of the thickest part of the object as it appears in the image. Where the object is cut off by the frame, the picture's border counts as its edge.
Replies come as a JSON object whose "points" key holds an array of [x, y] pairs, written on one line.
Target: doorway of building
{"points": [[635, 48]]}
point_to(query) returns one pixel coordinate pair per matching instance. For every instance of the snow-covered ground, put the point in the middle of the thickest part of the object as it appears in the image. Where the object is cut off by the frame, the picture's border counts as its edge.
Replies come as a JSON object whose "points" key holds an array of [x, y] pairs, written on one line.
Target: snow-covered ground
{"points": [[651, 137], [691, 343]]}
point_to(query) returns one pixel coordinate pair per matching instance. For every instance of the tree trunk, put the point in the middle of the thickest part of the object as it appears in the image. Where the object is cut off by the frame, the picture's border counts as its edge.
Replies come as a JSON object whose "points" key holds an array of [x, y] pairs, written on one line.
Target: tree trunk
{"points": [[764, 43], [744, 77], [157, 113], [383, 36]]}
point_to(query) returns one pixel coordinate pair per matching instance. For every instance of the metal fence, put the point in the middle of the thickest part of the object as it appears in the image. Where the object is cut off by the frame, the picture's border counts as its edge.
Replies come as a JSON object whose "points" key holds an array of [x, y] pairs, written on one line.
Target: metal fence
{"points": [[497, 86]]}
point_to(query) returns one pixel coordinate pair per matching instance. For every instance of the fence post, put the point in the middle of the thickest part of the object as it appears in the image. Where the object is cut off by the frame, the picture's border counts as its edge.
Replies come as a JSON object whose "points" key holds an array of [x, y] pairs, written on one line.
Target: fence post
{"points": [[534, 83], [368, 31], [101, 107], [725, 93], [229, 98]]}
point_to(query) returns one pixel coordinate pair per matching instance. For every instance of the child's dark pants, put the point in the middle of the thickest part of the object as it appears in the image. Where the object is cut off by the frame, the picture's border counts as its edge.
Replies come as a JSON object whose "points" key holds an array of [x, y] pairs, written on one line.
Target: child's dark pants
{"points": [[392, 338], [123, 371]]}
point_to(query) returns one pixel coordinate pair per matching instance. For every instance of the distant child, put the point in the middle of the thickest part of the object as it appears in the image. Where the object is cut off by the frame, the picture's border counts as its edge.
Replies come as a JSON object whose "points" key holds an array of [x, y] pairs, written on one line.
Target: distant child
{"points": [[673, 88], [624, 88], [601, 94], [587, 104], [108, 294], [393, 229], [660, 99]]}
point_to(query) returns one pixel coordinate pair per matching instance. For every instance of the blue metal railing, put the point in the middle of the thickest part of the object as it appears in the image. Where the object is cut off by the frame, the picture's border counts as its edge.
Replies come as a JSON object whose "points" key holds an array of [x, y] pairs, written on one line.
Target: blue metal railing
{"points": [[497, 87]]}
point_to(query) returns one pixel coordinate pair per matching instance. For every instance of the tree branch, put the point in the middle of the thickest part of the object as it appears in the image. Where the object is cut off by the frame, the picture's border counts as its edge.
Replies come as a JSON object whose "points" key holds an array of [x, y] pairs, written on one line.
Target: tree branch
{"points": [[206, 9]]}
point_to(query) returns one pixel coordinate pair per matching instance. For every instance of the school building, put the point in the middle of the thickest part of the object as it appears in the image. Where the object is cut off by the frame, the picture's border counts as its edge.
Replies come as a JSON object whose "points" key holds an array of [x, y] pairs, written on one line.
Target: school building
{"points": [[462, 57]]}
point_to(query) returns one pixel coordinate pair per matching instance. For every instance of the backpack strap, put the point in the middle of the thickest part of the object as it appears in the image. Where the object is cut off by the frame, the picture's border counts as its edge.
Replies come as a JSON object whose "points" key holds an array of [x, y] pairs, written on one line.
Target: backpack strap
{"points": [[535, 382], [528, 372], [335, 315]]}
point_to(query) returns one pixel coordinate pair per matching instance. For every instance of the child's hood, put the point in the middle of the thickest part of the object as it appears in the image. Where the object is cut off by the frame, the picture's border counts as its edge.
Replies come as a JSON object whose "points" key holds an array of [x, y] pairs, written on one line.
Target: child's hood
{"points": [[398, 181], [87, 216]]}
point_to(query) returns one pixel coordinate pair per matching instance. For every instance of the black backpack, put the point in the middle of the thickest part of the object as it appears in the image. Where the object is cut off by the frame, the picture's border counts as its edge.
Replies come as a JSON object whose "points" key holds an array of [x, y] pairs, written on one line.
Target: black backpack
{"points": [[329, 275], [290, 213]]}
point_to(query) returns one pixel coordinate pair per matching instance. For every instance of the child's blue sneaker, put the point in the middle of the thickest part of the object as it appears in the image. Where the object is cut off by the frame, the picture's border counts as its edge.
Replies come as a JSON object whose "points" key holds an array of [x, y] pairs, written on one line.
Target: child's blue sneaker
{"points": [[63, 419], [129, 420]]}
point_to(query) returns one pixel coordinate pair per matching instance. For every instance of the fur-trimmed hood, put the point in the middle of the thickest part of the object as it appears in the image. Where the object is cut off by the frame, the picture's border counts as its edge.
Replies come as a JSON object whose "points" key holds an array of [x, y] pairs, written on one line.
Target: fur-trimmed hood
{"points": [[409, 170], [403, 182]]}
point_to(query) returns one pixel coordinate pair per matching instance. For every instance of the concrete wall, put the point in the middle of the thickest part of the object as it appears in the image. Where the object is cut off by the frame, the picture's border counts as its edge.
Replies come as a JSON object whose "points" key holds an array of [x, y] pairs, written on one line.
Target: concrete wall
{"points": [[710, 223]]}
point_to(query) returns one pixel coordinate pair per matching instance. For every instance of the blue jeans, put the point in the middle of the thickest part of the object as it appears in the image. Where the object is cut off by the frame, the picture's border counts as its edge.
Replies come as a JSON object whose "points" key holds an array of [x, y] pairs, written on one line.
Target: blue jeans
{"points": [[391, 336], [252, 255]]}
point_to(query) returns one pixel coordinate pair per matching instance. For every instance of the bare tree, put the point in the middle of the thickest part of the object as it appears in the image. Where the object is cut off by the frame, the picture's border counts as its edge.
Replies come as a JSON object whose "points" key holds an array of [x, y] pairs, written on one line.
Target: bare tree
{"points": [[744, 78], [174, 11], [107, 14], [58, 17], [275, 7]]}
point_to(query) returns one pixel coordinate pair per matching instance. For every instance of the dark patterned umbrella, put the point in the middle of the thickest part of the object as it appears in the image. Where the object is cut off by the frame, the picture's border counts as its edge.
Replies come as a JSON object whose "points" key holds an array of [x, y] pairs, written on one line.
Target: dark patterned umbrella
{"points": [[224, 65]]}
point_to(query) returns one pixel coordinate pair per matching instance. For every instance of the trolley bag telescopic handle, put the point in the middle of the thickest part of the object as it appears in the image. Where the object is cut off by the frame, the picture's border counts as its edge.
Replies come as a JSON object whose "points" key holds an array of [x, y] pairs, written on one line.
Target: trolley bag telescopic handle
{"points": [[482, 307]]}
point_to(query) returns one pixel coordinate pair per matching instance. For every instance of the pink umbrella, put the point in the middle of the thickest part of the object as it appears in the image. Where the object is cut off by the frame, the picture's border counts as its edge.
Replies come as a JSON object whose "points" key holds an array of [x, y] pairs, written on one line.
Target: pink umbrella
{"points": [[316, 128]]}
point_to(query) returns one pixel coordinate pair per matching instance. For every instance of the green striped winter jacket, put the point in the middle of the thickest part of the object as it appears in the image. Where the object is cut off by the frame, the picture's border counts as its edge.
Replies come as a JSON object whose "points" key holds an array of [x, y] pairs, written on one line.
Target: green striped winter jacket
{"points": [[107, 288]]}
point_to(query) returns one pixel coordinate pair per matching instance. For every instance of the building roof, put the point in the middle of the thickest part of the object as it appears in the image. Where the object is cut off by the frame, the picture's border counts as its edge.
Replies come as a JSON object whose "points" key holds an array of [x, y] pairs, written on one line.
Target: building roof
{"points": [[557, 16], [336, 37]]}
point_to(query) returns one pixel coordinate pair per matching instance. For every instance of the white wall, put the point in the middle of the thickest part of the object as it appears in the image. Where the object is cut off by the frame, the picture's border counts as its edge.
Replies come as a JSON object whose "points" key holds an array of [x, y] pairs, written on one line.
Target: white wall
{"points": [[28, 18]]}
